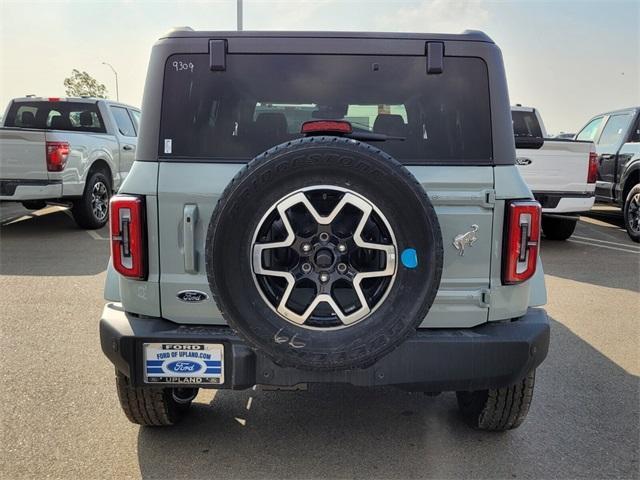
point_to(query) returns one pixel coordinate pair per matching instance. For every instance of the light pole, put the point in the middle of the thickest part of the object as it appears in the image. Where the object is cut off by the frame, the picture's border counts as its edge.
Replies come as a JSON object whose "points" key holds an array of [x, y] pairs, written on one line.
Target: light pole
{"points": [[239, 14], [116, 74]]}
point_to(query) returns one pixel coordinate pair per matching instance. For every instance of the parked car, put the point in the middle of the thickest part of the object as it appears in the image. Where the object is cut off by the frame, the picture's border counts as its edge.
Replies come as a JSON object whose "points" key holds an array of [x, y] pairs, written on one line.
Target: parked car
{"points": [[356, 246], [561, 173], [617, 138], [74, 151]]}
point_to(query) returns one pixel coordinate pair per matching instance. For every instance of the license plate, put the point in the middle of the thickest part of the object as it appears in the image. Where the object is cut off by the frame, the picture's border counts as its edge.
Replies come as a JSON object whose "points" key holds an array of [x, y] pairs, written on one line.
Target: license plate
{"points": [[193, 363]]}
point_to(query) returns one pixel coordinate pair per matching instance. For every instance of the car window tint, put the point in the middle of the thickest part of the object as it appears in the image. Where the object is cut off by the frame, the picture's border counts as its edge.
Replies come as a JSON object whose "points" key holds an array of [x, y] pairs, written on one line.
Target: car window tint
{"points": [[525, 124], [125, 125], [25, 116], [261, 100], [56, 115], [615, 129], [52, 116], [588, 133], [361, 117], [634, 135], [136, 118]]}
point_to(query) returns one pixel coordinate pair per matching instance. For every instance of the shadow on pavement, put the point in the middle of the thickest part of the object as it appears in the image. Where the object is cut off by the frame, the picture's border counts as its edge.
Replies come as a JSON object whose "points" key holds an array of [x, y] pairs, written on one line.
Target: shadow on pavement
{"points": [[584, 418], [597, 261], [51, 244], [610, 216]]}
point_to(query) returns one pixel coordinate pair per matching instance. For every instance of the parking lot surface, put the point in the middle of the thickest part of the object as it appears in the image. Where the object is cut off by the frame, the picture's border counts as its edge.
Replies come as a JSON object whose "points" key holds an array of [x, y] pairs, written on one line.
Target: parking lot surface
{"points": [[61, 419]]}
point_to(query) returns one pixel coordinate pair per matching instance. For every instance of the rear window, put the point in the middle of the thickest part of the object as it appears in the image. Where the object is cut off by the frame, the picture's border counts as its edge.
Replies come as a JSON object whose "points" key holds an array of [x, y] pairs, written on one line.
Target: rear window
{"points": [[262, 100], [525, 124], [62, 115]]}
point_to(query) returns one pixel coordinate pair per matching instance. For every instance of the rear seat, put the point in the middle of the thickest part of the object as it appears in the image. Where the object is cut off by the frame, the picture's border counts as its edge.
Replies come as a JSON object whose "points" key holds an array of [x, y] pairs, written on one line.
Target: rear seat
{"points": [[270, 128], [390, 124]]}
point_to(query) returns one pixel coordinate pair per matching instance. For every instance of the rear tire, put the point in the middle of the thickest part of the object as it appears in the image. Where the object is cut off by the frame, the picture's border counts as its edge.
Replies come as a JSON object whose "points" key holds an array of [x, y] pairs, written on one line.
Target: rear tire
{"points": [[153, 406], [499, 409], [631, 212], [91, 211], [555, 228]]}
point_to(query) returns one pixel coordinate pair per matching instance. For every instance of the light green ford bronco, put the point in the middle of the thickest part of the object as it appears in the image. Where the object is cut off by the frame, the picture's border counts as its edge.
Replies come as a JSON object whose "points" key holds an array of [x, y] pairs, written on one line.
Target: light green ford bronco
{"points": [[325, 208]]}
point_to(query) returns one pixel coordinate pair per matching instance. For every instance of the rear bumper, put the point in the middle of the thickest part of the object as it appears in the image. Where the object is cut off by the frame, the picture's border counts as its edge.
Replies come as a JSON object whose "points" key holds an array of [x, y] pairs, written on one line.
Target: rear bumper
{"points": [[488, 356], [565, 202], [26, 189]]}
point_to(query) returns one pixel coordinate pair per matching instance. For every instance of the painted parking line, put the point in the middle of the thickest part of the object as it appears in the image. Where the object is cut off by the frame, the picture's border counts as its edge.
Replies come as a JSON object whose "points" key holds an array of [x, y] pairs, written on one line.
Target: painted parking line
{"points": [[599, 245], [626, 245], [93, 234]]}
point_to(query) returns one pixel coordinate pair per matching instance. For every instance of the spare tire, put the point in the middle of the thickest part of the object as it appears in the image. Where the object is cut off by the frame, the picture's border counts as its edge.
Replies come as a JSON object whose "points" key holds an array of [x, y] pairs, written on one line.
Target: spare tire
{"points": [[324, 253]]}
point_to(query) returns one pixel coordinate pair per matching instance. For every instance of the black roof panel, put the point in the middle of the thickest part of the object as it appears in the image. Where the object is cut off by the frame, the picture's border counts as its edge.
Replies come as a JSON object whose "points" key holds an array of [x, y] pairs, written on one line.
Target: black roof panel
{"points": [[466, 36]]}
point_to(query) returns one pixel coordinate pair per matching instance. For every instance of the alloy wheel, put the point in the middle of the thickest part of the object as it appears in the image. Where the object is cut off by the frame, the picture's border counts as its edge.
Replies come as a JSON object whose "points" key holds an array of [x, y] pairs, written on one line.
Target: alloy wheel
{"points": [[100, 200], [324, 257]]}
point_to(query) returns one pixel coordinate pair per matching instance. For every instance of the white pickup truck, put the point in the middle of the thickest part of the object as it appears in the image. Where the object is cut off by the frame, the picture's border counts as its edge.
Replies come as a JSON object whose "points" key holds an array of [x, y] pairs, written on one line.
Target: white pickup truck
{"points": [[73, 151], [561, 173]]}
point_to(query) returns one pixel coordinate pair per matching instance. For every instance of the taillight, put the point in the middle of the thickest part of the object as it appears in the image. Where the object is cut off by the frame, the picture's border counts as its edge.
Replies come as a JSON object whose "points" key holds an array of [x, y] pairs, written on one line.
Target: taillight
{"points": [[57, 153], [326, 126], [592, 173], [522, 241], [128, 236]]}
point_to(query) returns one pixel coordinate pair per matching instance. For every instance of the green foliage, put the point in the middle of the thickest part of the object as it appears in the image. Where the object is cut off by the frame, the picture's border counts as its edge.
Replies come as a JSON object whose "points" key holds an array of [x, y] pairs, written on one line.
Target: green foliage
{"points": [[82, 84]]}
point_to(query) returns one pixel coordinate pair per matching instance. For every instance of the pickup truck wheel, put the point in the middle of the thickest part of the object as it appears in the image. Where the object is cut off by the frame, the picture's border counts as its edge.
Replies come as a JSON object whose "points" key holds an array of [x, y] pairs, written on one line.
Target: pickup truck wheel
{"points": [[632, 213], [498, 409], [91, 211], [153, 406], [555, 228], [324, 253]]}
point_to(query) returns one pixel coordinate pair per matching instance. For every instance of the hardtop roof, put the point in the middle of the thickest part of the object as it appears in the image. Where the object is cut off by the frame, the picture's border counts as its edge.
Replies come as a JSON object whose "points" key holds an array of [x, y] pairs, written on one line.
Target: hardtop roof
{"points": [[466, 36]]}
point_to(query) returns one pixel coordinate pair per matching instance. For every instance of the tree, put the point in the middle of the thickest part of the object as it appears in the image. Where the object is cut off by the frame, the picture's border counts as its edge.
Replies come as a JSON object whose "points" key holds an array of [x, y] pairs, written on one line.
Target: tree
{"points": [[82, 84]]}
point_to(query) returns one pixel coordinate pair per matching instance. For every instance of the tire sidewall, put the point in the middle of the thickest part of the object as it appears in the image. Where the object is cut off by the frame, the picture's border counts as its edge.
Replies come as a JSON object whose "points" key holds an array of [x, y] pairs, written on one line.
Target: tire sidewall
{"points": [[353, 166], [83, 211], [633, 235]]}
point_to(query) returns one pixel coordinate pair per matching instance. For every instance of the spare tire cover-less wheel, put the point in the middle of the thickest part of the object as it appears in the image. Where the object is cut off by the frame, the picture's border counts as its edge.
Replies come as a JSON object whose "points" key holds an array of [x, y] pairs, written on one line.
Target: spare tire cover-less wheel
{"points": [[324, 253]]}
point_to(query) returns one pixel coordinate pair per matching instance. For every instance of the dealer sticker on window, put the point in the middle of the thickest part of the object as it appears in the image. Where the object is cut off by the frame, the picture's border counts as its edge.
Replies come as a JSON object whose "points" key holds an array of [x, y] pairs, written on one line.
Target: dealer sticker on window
{"points": [[194, 363]]}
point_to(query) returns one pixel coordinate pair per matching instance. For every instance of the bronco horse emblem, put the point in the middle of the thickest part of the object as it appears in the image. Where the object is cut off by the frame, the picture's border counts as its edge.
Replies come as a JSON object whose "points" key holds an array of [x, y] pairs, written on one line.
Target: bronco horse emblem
{"points": [[465, 239]]}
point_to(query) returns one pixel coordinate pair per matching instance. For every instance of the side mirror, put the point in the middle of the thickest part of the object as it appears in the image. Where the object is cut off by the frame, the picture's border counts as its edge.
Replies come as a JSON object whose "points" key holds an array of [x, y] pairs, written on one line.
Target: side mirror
{"points": [[530, 143]]}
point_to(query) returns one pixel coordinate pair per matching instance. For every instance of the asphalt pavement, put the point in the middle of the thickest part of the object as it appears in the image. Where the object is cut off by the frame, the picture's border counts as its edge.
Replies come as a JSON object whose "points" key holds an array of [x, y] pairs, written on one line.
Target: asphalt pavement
{"points": [[61, 419]]}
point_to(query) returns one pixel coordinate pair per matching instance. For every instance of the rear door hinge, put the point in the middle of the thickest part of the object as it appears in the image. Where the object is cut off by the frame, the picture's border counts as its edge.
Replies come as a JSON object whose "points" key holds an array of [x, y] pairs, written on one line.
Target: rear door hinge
{"points": [[489, 198], [218, 55], [435, 57], [485, 298]]}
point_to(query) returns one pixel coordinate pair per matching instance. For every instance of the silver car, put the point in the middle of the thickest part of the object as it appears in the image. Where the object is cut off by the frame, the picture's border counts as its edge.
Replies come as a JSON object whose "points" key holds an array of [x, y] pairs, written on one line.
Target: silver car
{"points": [[75, 151]]}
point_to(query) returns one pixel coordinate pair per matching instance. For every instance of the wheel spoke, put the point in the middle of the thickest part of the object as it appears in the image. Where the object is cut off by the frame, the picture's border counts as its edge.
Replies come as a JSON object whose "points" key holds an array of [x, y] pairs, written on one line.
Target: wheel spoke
{"points": [[258, 248]]}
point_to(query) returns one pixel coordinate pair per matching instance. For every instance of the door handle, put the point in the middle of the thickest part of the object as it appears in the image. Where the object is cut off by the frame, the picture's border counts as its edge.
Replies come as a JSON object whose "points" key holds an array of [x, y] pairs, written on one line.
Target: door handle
{"points": [[189, 219], [606, 157], [127, 147]]}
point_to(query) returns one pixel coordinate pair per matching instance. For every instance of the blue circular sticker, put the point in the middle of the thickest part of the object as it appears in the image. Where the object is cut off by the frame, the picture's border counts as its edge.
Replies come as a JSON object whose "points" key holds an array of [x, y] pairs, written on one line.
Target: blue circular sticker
{"points": [[409, 258]]}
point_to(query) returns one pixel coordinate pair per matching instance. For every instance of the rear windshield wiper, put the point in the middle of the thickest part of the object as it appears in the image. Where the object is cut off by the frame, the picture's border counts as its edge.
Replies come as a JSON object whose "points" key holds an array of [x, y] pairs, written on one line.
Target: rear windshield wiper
{"points": [[373, 136]]}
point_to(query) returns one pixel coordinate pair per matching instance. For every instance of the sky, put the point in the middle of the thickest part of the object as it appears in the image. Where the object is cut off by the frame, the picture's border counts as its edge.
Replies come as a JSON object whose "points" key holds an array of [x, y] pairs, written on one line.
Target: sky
{"points": [[571, 59]]}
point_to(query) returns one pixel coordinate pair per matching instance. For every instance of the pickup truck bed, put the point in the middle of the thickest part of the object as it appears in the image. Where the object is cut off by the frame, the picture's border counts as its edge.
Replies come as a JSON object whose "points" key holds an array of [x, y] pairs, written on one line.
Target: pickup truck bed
{"points": [[560, 173], [557, 175]]}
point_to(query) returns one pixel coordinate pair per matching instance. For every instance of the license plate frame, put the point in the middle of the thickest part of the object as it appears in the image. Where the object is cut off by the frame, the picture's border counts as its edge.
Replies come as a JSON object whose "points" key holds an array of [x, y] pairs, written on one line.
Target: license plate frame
{"points": [[183, 363]]}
